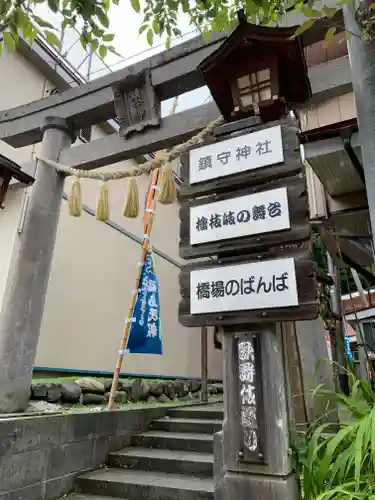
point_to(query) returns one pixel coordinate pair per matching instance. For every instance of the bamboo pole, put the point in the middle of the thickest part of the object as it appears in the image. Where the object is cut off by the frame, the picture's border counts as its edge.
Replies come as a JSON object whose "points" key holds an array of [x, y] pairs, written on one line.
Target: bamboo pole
{"points": [[154, 176], [129, 316], [151, 201]]}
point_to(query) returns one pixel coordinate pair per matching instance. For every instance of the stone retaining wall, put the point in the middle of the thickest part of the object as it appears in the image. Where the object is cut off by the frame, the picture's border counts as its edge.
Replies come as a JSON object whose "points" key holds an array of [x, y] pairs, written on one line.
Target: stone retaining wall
{"points": [[40, 456], [89, 391], [54, 396]]}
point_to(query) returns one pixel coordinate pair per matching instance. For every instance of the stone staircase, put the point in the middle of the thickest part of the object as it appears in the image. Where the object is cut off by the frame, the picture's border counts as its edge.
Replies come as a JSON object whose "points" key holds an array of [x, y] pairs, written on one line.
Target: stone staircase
{"points": [[173, 460]]}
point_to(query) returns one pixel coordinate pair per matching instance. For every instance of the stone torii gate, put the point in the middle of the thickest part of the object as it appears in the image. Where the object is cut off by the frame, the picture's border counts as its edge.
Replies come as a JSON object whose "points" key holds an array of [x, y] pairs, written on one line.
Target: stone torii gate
{"points": [[133, 96]]}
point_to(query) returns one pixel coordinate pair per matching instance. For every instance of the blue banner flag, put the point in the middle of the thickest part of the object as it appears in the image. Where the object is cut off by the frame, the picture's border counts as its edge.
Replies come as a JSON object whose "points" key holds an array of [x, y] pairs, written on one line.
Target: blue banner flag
{"points": [[145, 335], [348, 349]]}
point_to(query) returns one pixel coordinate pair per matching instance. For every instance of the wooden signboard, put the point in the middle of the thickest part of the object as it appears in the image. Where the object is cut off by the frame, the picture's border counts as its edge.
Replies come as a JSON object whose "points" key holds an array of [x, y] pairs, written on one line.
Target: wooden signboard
{"points": [[278, 285], [245, 220], [265, 153], [250, 397]]}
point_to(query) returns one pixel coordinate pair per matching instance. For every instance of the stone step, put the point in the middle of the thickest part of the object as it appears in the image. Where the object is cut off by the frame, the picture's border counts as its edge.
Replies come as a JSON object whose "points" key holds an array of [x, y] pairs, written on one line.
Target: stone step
{"points": [[174, 461], [82, 496], [196, 425], [137, 485], [200, 443], [214, 412]]}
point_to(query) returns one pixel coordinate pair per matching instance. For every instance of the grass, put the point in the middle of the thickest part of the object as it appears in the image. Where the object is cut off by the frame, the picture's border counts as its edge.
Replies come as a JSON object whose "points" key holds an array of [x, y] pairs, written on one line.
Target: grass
{"points": [[59, 380], [338, 463]]}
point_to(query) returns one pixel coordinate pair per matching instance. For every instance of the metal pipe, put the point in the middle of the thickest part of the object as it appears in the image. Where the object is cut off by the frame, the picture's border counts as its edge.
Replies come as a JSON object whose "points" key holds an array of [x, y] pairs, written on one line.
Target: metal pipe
{"points": [[337, 336], [204, 365]]}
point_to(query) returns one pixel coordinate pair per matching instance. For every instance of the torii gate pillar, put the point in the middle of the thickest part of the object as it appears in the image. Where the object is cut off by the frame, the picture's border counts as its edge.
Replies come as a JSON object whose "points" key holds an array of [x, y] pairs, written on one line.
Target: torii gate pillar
{"points": [[22, 309]]}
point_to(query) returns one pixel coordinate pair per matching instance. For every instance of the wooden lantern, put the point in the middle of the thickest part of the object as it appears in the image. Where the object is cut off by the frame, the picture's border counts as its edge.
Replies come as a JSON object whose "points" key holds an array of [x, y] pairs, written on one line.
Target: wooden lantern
{"points": [[257, 71], [9, 170]]}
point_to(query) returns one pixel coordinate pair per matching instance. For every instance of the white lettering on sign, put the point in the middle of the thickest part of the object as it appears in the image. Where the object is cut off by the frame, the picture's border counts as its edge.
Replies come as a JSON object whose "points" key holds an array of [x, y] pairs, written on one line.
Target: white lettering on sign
{"points": [[244, 287], [251, 214], [236, 155], [248, 402]]}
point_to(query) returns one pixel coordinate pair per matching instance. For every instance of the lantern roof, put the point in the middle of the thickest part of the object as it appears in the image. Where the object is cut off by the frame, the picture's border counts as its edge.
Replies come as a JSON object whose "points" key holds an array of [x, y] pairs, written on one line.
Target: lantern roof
{"points": [[15, 170], [245, 41]]}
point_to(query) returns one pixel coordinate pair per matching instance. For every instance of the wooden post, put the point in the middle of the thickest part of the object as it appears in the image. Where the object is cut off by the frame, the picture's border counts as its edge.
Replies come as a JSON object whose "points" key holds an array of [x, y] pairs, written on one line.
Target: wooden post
{"points": [[204, 365], [25, 293], [267, 474], [220, 216]]}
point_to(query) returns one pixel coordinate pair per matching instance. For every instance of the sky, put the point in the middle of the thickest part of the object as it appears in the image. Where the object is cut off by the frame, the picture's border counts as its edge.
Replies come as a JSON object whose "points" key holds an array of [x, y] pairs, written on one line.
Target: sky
{"points": [[125, 23]]}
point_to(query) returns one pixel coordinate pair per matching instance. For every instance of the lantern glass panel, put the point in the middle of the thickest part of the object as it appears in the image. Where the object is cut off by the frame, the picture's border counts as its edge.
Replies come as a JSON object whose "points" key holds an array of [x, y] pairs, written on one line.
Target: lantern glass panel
{"points": [[243, 82], [247, 100], [263, 75], [254, 88], [265, 94]]}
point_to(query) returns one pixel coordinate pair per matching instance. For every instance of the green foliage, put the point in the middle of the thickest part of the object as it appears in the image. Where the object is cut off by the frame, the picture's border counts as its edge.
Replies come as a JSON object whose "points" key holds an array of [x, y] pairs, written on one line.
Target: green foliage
{"points": [[160, 18], [338, 461], [209, 16], [18, 18]]}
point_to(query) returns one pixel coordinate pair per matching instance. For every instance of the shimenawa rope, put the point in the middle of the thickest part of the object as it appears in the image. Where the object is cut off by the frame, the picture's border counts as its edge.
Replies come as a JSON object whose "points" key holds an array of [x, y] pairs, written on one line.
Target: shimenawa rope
{"points": [[146, 167], [162, 160]]}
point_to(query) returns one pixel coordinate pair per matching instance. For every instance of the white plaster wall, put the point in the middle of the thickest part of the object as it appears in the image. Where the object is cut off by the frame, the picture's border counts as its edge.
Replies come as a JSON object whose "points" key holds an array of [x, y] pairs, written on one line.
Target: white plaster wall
{"points": [[9, 218], [92, 278], [20, 84], [93, 274]]}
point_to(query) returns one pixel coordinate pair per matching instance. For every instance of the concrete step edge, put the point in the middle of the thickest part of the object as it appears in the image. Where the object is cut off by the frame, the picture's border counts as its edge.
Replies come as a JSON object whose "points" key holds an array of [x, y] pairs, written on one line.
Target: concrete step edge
{"points": [[149, 478], [176, 435], [88, 496], [160, 454], [196, 415], [175, 420]]}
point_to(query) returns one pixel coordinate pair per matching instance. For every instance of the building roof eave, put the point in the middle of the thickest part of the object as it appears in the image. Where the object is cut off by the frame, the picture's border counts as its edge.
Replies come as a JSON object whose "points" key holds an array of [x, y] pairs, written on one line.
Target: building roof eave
{"points": [[362, 314], [15, 170], [328, 131]]}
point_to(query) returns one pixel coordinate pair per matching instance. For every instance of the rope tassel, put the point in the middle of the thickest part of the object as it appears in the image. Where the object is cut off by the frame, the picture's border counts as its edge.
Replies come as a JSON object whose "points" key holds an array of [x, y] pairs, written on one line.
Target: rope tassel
{"points": [[167, 194], [75, 199], [102, 207], [131, 205]]}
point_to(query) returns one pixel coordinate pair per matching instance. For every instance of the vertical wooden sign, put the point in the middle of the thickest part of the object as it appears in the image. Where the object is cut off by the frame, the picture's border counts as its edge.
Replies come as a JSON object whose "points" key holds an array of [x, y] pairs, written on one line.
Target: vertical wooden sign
{"points": [[250, 397]]}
